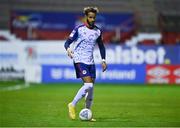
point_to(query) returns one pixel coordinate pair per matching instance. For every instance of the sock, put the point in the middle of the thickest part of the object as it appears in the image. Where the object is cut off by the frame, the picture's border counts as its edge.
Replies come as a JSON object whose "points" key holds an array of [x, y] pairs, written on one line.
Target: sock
{"points": [[81, 93], [89, 98]]}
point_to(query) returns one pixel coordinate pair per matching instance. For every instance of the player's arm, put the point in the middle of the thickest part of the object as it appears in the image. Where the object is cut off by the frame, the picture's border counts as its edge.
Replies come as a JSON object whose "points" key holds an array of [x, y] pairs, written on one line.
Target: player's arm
{"points": [[102, 52], [72, 37]]}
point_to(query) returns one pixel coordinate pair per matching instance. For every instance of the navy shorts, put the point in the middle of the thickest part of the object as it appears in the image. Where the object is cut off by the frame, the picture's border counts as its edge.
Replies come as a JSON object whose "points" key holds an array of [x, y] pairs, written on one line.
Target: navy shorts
{"points": [[83, 70]]}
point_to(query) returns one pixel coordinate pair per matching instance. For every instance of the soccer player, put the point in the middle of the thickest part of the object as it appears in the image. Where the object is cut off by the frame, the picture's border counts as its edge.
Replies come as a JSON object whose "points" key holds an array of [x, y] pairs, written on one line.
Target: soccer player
{"points": [[84, 37]]}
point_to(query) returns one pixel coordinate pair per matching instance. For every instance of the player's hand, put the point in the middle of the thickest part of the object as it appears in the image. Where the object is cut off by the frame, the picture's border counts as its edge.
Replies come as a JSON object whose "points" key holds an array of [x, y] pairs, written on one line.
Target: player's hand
{"points": [[104, 66], [70, 53]]}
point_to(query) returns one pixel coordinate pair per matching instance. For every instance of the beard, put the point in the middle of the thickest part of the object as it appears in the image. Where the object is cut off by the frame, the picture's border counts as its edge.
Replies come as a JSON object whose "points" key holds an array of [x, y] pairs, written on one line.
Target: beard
{"points": [[91, 24]]}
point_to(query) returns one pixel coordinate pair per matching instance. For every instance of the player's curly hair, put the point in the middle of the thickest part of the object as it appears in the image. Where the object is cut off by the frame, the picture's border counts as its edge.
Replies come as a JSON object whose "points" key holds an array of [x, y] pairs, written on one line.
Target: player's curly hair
{"points": [[90, 9]]}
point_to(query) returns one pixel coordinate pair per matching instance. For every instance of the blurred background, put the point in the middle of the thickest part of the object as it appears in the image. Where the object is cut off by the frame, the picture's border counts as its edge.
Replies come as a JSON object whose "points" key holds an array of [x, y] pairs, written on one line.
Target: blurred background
{"points": [[142, 39]]}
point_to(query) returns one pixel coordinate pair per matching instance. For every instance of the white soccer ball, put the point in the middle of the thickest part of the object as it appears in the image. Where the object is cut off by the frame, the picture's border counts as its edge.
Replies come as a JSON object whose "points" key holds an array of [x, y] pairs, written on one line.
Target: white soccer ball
{"points": [[85, 114]]}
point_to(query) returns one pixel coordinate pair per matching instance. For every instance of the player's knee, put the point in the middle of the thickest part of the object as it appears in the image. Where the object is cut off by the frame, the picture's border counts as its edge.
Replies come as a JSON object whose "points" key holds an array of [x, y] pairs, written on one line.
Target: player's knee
{"points": [[88, 85]]}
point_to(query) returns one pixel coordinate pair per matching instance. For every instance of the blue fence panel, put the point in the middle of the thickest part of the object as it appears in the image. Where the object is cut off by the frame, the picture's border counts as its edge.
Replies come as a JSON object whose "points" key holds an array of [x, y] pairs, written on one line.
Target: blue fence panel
{"points": [[64, 21], [114, 74], [142, 54]]}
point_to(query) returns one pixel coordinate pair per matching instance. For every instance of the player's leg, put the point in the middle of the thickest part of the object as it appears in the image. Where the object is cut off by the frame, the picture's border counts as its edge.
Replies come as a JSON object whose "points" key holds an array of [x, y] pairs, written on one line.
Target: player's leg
{"points": [[80, 94], [81, 72], [89, 95]]}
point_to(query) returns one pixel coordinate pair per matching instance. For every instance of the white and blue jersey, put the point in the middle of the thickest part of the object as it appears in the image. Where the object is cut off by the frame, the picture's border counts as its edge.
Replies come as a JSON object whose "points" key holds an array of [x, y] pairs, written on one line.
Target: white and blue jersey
{"points": [[84, 40]]}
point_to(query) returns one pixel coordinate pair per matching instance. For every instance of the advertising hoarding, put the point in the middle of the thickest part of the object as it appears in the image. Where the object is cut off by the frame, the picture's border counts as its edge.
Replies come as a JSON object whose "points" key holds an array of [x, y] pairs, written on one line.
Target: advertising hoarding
{"points": [[115, 74], [167, 74]]}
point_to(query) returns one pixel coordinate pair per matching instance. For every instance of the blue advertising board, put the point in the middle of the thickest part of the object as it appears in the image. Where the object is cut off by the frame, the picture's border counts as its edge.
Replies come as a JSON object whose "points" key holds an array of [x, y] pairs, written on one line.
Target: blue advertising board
{"points": [[58, 73], [115, 74], [65, 21], [141, 55]]}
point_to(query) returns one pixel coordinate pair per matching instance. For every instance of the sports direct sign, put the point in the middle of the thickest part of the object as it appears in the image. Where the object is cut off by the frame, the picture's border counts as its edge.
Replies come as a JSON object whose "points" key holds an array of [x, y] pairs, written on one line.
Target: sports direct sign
{"points": [[169, 74]]}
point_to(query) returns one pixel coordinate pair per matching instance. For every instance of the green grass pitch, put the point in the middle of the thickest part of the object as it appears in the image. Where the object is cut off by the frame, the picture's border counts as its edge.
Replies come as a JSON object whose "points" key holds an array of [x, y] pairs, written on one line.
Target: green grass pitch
{"points": [[114, 106]]}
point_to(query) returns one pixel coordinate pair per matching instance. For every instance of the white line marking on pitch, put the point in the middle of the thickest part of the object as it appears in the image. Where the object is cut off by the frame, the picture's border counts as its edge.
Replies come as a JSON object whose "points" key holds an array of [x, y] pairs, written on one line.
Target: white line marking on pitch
{"points": [[15, 87]]}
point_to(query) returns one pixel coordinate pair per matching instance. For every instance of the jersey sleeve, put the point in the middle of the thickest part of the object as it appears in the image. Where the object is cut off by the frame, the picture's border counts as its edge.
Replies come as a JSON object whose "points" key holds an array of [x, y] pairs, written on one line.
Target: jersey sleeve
{"points": [[101, 47], [72, 37]]}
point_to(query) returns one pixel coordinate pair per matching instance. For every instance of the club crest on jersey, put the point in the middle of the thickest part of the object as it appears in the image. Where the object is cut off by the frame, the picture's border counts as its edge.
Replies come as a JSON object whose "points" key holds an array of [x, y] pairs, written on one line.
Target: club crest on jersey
{"points": [[84, 72]]}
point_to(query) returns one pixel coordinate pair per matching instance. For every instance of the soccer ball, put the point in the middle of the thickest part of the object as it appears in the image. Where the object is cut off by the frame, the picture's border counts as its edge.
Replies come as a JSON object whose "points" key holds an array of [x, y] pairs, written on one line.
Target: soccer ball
{"points": [[85, 114]]}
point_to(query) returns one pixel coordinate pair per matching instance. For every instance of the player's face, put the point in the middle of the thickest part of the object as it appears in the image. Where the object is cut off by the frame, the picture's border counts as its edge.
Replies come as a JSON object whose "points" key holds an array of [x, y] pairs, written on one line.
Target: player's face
{"points": [[91, 17]]}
